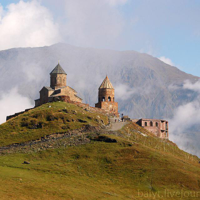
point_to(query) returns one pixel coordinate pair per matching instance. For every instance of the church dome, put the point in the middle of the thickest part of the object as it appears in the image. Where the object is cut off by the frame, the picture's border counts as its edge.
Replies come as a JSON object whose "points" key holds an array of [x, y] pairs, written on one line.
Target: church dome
{"points": [[106, 84], [58, 70]]}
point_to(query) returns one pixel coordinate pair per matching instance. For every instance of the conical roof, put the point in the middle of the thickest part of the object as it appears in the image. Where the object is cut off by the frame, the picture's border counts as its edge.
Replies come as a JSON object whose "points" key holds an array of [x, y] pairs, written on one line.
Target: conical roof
{"points": [[106, 84], [58, 70]]}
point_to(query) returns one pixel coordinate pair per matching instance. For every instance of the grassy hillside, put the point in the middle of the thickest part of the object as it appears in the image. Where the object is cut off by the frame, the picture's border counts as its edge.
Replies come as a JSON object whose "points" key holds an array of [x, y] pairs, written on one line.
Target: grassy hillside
{"points": [[49, 118], [127, 164]]}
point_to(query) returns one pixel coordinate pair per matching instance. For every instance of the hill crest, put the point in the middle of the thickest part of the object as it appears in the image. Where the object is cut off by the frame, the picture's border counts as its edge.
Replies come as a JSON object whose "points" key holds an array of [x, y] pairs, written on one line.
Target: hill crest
{"points": [[86, 153]]}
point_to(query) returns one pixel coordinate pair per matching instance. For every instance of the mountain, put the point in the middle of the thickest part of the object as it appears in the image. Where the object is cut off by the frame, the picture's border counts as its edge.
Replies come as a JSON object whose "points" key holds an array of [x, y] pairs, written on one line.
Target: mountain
{"points": [[146, 80], [62, 151], [145, 86]]}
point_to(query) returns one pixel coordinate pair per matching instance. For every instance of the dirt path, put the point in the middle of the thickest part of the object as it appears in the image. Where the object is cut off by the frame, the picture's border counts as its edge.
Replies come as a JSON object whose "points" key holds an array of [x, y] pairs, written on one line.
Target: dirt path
{"points": [[115, 126]]}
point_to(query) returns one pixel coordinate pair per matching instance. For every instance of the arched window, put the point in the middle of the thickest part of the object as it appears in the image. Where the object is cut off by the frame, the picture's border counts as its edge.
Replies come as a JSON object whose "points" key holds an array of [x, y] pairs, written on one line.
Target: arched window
{"points": [[103, 98], [151, 123], [109, 99], [157, 124], [145, 123]]}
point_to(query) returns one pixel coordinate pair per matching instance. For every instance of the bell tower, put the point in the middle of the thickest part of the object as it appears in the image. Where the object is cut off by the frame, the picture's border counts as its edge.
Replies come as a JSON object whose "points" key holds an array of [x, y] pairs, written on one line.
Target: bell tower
{"points": [[106, 97], [58, 77]]}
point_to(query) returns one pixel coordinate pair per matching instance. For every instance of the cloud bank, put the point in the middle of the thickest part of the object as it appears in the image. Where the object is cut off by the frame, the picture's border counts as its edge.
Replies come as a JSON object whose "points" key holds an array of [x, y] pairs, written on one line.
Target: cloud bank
{"points": [[13, 102], [27, 24], [187, 117], [92, 22], [83, 23], [123, 92], [166, 60], [192, 86], [117, 2]]}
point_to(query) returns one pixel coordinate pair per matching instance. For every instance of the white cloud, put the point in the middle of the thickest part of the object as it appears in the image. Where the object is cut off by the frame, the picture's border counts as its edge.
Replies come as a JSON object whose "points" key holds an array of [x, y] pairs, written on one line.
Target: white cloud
{"points": [[92, 22], [166, 60], [124, 91], [186, 117], [1, 11], [192, 86], [12, 102], [27, 24], [173, 87], [34, 23], [33, 72], [116, 2]]}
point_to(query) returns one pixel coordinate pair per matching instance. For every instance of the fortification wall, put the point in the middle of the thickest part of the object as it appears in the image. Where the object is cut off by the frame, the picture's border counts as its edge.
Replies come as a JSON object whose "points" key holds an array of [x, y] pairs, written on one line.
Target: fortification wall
{"points": [[16, 114]]}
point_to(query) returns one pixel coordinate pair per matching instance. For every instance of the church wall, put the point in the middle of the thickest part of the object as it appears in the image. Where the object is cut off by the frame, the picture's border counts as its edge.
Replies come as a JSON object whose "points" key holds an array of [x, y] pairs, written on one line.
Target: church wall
{"points": [[105, 93], [37, 102], [44, 96], [58, 80], [72, 95], [111, 107]]}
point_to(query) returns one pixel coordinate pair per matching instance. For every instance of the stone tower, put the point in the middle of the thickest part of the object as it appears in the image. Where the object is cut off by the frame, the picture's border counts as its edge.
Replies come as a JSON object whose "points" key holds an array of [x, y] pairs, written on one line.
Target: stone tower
{"points": [[58, 77], [106, 97]]}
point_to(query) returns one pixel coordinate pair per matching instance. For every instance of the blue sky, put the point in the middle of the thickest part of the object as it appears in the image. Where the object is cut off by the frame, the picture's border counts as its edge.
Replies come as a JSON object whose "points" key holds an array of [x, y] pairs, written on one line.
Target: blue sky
{"points": [[162, 28]]}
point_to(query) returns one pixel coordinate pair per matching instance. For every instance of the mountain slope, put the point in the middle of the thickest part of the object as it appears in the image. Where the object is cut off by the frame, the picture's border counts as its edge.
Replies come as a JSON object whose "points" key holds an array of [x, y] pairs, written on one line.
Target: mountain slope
{"points": [[124, 164], [142, 82]]}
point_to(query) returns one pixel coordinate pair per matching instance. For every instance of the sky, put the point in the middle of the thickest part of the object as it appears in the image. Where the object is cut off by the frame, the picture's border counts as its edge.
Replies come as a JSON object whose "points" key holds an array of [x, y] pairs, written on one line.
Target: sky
{"points": [[166, 29]]}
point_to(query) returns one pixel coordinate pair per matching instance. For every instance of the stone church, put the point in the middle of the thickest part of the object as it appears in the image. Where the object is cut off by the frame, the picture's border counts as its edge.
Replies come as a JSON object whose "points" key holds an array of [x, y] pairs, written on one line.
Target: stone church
{"points": [[59, 91], [58, 88], [106, 97]]}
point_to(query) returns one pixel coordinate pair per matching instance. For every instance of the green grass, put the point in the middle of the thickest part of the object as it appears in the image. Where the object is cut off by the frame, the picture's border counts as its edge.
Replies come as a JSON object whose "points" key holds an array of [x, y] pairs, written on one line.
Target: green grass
{"points": [[44, 120], [134, 167], [95, 171], [133, 132]]}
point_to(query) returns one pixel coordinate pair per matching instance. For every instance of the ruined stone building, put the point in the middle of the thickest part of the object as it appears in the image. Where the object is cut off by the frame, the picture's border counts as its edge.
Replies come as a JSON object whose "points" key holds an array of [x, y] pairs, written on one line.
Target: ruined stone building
{"points": [[158, 127], [58, 88], [106, 97]]}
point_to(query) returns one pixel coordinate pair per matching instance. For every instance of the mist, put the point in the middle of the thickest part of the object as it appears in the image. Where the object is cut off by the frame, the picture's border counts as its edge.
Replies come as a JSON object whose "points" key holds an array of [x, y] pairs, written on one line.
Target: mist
{"points": [[184, 126], [12, 102]]}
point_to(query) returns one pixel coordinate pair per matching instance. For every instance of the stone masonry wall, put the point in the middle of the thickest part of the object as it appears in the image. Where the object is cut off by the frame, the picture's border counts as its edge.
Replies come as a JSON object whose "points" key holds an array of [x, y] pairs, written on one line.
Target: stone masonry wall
{"points": [[58, 80], [158, 127], [111, 107], [105, 93]]}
